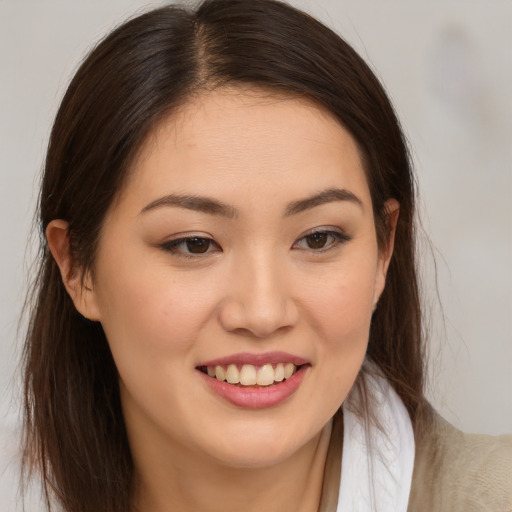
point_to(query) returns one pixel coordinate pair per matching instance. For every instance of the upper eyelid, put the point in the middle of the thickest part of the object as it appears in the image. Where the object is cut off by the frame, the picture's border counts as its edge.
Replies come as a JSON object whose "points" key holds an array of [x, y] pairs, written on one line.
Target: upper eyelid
{"points": [[181, 237], [172, 246], [189, 234], [324, 229], [340, 238]]}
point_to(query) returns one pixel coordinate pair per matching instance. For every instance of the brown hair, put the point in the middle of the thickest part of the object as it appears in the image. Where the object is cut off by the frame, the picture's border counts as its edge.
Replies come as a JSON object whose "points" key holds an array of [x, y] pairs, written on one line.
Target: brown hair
{"points": [[74, 429]]}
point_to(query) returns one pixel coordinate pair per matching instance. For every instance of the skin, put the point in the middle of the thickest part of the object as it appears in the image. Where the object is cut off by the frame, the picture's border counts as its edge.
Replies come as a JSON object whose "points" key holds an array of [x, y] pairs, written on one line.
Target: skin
{"points": [[259, 287]]}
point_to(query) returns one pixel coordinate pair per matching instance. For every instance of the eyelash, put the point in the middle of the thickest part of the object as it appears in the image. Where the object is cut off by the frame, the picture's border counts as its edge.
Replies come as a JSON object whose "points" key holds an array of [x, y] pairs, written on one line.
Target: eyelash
{"points": [[173, 246], [338, 238]]}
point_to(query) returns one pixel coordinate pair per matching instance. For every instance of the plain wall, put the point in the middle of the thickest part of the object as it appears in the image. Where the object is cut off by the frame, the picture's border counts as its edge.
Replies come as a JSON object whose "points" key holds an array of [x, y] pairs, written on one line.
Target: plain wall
{"points": [[448, 68]]}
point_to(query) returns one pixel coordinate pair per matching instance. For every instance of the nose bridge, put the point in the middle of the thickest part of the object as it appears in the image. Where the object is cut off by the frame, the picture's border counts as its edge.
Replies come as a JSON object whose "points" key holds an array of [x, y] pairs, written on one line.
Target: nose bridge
{"points": [[260, 300]]}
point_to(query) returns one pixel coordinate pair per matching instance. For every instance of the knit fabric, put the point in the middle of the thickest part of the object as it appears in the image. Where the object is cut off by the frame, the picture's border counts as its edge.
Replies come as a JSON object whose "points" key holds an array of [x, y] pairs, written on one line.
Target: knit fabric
{"points": [[453, 471], [458, 472]]}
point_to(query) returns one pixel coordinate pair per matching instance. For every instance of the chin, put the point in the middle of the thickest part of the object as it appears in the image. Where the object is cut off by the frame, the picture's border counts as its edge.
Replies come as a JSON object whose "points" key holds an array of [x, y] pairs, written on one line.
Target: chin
{"points": [[253, 448], [257, 457]]}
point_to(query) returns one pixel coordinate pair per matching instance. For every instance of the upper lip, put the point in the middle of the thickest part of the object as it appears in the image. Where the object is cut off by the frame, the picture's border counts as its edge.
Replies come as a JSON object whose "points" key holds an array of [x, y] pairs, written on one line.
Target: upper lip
{"points": [[256, 359]]}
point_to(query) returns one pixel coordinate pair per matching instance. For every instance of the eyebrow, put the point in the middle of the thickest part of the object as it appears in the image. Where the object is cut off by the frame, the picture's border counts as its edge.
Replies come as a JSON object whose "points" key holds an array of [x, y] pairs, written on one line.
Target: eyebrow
{"points": [[192, 202], [326, 196], [214, 207]]}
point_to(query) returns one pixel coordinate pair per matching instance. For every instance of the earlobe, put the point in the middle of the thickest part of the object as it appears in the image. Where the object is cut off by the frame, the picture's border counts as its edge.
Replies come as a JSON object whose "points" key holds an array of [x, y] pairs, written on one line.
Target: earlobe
{"points": [[80, 290], [392, 209]]}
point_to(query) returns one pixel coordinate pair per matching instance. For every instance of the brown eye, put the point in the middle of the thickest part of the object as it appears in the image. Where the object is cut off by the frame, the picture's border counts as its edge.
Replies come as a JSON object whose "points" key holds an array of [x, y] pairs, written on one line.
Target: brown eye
{"points": [[192, 247], [321, 241], [197, 245], [317, 240]]}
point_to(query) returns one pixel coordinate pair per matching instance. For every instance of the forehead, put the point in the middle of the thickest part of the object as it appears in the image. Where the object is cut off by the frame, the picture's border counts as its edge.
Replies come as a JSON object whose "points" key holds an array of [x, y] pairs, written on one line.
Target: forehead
{"points": [[220, 141]]}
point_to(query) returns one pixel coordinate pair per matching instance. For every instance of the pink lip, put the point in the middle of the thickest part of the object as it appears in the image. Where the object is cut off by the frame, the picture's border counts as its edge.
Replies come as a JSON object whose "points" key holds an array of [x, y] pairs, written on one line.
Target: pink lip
{"points": [[254, 397], [256, 359]]}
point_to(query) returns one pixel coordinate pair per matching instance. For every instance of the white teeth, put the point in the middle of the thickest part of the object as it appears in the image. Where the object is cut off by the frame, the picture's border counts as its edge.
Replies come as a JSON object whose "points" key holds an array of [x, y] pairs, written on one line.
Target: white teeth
{"points": [[289, 368], [232, 374], [250, 375], [279, 372], [220, 374], [265, 375]]}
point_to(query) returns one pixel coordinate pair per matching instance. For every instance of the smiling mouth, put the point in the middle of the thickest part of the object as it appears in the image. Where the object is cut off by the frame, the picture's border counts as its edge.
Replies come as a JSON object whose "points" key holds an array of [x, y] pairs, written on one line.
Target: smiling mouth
{"points": [[250, 375]]}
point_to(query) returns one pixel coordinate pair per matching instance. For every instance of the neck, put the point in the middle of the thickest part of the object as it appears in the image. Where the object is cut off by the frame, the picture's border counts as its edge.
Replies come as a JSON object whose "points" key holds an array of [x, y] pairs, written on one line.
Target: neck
{"points": [[190, 483]]}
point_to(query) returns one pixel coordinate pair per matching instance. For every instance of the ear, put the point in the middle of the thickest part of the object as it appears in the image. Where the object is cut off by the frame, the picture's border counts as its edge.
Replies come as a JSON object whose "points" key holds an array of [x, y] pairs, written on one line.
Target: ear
{"points": [[392, 210], [80, 288]]}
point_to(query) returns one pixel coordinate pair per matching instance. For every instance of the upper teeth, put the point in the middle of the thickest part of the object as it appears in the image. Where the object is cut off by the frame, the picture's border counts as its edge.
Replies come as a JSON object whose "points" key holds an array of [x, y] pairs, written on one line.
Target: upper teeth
{"points": [[250, 375]]}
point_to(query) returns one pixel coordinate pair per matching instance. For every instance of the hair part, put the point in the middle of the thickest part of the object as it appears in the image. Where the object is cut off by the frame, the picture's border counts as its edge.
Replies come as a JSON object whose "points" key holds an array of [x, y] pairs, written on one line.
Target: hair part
{"points": [[136, 77]]}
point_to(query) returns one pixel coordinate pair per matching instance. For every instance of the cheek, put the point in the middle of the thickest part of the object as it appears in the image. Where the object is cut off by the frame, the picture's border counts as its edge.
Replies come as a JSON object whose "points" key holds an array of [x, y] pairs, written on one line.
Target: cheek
{"points": [[151, 313], [341, 310], [341, 307], [342, 321], [152, 326], [345, 322]]}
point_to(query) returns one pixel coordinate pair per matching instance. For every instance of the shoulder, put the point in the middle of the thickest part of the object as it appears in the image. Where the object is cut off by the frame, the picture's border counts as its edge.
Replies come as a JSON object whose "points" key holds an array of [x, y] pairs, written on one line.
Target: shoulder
{"points": [[459, 472]]}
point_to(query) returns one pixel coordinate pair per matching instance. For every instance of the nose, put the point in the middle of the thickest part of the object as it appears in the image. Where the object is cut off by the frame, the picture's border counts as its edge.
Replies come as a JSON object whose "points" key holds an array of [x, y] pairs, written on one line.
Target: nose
{"points": [[258, 299]]}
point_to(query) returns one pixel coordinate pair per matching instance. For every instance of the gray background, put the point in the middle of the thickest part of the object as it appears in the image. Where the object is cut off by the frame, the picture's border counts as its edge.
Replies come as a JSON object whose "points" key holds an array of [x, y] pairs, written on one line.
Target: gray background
{"points": [[447, 66]]}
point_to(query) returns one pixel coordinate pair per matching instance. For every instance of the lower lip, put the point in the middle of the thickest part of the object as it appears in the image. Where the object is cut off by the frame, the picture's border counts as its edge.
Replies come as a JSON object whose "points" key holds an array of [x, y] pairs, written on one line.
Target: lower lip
{"points": [[253, 397]]}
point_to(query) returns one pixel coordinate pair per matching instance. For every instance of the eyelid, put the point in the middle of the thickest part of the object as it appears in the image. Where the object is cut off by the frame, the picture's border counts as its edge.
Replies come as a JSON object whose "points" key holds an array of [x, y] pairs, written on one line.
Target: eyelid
{"points": [[188, 234], [337, 233], [172, 245]]}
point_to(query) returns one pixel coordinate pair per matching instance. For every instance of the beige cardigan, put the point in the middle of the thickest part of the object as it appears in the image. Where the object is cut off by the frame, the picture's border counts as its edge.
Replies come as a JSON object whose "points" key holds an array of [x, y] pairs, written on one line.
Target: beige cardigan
{"points": [[453, 471], [458, 472]]}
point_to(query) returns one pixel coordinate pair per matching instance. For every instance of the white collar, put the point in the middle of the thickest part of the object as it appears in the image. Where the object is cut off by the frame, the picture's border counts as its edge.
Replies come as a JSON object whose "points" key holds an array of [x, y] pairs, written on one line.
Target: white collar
{"points": [[377, 464]]}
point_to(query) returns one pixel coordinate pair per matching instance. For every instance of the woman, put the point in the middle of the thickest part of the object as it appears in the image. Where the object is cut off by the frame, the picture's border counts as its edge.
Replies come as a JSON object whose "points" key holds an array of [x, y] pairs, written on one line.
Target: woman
{"points": [[227, 309]]}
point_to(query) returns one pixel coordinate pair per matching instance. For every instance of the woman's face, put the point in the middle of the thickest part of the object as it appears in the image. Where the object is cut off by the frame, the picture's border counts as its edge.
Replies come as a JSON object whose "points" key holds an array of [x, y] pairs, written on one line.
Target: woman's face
{"points": [[242, 247]]}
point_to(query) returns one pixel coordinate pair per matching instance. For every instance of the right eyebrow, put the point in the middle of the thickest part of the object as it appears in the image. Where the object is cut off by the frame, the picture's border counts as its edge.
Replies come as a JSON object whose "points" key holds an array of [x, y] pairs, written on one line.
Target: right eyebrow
{"points": [[192, 202]]}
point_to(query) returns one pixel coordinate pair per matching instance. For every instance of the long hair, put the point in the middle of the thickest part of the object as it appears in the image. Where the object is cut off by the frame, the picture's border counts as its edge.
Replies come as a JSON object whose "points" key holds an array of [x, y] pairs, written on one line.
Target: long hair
{"points": [[149, 66]]}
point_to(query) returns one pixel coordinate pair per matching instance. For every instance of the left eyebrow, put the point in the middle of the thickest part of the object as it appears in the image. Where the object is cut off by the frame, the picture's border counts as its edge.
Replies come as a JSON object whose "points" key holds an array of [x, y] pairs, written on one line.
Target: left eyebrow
{"points": [[326, 196]]}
